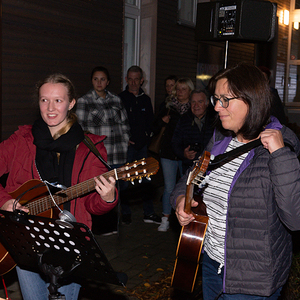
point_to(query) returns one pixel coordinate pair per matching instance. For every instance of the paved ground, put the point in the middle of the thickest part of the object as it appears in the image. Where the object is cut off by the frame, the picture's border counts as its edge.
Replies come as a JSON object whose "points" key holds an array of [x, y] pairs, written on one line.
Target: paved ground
{"points": [[139, 250]]}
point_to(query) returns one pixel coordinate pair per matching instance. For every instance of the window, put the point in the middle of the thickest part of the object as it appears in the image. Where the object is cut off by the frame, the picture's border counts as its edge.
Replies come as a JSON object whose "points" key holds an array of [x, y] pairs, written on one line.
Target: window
{"points": [[131, 36], [187, 11], [132, 2]]}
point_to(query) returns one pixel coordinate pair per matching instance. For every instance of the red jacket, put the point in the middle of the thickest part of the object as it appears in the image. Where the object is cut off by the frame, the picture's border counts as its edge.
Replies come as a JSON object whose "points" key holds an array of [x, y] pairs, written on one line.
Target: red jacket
{"points": [[17, 157]]}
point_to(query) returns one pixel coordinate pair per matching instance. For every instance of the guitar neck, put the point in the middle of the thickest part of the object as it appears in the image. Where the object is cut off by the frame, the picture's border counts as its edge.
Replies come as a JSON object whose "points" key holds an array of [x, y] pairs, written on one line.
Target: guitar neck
{"points": [[196, 176], [45, 203]]}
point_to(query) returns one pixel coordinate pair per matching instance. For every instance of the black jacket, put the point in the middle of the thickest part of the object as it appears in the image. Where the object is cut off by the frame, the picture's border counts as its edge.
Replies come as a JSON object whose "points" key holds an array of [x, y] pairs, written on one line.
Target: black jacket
{"points": [[166, 148], [140, 115], [187, 133], [263, 206]]}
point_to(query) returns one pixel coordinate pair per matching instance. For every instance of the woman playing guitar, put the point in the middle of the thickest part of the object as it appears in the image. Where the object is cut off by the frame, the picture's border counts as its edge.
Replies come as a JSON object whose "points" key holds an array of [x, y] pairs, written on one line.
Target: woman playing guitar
{"points": [[252, 199], [53, 150]]}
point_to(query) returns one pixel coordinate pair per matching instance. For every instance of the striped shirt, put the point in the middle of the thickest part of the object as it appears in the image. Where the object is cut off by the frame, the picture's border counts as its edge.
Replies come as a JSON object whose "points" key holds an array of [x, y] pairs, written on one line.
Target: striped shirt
{"points": [[106, 117], [215, 197]]}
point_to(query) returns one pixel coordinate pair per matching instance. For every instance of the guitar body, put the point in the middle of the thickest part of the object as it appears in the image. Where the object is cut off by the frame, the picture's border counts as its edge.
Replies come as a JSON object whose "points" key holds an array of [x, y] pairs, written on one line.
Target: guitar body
{"points": [[188, 254], [35, 196], [32, 190], [6, 261], [192, 235], [30, 193]]}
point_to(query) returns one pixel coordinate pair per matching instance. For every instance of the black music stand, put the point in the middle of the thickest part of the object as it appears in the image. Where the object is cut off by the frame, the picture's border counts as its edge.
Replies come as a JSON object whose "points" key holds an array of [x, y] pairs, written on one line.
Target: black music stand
{"points": [[41, 244]]}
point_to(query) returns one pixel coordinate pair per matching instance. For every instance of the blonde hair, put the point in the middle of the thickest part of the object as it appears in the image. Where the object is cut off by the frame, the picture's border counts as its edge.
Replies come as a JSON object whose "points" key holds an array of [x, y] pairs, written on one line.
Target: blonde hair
{"points": [[183, 80]]}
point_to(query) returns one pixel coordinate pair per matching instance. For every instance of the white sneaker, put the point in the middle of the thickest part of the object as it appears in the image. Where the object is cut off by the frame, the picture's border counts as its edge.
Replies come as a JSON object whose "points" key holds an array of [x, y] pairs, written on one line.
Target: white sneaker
{"points": [[165, 224]]}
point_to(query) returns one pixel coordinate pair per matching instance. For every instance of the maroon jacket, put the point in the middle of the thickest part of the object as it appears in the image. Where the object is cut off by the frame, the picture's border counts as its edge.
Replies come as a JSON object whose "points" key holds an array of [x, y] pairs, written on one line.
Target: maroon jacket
{"points": [[17, 157]]}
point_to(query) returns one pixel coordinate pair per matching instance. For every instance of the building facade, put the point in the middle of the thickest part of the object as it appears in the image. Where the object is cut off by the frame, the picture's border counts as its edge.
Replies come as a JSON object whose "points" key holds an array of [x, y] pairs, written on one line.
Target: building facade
{"points": [[73, 36]]}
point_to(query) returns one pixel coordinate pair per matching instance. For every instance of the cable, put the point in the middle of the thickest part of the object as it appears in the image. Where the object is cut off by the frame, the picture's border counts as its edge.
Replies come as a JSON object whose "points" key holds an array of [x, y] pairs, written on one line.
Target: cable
{"points": [[5, 288]]}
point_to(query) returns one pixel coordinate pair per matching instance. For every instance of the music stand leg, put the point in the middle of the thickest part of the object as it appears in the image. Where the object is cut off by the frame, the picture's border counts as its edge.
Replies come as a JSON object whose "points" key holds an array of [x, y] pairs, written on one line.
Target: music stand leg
{"points": [[54, 274]]}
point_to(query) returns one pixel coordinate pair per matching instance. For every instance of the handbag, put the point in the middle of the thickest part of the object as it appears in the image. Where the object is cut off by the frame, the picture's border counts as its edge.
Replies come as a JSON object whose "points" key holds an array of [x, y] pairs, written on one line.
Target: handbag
{"points": [[156, 139]]}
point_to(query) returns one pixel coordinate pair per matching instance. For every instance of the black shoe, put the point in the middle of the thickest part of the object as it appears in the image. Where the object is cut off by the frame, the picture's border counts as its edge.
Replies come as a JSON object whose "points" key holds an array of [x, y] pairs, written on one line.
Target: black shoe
{"points": [[152, 219], [126, 219]]}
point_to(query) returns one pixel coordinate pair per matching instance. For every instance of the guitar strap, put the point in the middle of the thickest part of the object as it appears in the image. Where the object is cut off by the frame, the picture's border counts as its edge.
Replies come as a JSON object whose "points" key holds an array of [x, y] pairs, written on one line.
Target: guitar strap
{"points": [[93, 148], [235, 152]]}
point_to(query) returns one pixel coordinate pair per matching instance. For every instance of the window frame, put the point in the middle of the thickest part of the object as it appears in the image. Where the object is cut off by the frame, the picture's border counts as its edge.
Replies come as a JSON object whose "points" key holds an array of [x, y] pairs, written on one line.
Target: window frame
{"points": [[181, 18]]}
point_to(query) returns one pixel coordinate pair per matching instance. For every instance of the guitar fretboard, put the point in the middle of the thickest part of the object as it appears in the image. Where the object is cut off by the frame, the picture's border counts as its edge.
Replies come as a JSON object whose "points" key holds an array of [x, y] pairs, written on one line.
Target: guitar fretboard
{"points": [[45, 203]]}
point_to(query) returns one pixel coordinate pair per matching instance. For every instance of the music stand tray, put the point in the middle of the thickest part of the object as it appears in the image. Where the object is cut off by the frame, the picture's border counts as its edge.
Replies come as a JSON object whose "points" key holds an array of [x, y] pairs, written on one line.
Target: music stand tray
{"points": [[33, 241]]}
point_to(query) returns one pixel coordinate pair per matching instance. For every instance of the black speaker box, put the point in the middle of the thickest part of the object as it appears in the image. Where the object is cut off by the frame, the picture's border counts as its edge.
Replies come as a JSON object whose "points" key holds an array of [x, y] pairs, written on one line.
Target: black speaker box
{"points": [[243, 20]]}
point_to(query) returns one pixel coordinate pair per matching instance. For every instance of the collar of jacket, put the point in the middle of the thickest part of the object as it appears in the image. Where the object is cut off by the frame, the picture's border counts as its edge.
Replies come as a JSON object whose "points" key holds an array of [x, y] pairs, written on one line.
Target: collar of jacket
{"points": [[141, 92]]}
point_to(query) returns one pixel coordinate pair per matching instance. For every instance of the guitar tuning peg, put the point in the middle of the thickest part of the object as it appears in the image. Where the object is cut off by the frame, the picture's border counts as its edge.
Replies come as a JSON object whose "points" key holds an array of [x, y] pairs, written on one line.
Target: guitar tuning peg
{"points": [[132, 182], [140, 180], [204, 182], [148, 178]]}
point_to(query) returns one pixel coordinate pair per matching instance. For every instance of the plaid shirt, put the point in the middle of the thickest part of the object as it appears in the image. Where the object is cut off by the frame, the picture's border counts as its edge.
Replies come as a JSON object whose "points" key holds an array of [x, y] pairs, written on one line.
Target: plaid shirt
{"points": [[106, 117]]}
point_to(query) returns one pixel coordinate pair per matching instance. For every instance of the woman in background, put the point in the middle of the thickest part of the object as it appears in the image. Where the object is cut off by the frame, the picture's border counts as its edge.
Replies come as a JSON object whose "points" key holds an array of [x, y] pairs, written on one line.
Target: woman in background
{"points": [[102, 112], [176, 104]]}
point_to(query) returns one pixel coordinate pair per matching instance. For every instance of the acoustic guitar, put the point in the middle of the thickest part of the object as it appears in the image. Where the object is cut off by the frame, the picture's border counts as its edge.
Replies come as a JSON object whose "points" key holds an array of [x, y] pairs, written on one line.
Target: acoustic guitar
{"points": [[192, 235], [34, 195]]}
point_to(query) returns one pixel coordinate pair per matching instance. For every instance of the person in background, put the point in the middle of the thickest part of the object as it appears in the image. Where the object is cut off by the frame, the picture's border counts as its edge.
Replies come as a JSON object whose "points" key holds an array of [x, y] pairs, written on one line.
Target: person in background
{"points": [[140, 115], [176, 105], [169, 84], [277, 109], [252, 198], [53, 150], [194, 129], [101, 112]]}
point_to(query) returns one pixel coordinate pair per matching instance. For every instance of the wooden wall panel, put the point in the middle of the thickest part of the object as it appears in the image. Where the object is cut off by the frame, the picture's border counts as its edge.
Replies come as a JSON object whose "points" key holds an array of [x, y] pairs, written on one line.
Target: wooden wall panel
{"points": [[176, 48], [67, 36]]}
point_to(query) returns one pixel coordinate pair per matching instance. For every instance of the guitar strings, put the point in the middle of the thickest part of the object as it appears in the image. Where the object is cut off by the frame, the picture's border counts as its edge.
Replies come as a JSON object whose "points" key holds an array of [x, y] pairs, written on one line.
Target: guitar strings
{"points": [[51, 196]]}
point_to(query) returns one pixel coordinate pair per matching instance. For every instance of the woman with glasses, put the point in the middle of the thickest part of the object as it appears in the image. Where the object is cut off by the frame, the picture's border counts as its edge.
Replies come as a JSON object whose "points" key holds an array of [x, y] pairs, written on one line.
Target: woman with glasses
{"points": [[252, 198]]}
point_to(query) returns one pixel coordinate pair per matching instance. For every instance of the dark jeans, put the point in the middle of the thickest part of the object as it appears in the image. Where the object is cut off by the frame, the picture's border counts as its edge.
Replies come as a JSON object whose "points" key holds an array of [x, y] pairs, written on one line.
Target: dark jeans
{"points": [[133, 155], [212, 284]]}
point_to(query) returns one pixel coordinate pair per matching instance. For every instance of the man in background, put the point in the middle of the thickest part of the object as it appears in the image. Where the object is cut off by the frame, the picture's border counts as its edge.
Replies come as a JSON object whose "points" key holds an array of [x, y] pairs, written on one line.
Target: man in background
{"points": [[194, 129], [140, 115]]}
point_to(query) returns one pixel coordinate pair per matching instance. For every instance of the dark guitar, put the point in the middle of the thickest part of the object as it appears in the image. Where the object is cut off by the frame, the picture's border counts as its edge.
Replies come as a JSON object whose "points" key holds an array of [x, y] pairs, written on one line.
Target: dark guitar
{"points": [[192, 235], [34, 195]]}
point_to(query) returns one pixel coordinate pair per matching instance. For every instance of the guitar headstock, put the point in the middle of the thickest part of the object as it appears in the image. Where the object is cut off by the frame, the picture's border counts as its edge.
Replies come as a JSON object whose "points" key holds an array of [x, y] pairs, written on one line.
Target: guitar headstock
{"points": [[138, 169], [200, 167]]}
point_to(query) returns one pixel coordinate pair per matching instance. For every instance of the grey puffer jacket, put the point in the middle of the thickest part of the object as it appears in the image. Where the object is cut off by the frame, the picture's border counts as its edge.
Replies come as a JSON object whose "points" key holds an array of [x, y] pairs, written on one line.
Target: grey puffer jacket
{"points": [[263, 206]]}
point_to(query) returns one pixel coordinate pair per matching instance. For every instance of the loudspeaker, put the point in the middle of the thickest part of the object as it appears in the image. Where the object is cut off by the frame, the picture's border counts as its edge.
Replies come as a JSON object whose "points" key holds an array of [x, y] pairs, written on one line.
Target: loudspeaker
{"points": [[243, 20]]}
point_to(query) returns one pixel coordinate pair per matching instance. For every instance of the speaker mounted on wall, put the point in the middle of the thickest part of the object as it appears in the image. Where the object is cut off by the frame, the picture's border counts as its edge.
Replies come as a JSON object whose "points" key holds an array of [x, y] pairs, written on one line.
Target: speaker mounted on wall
{"points": [[243, 20]]}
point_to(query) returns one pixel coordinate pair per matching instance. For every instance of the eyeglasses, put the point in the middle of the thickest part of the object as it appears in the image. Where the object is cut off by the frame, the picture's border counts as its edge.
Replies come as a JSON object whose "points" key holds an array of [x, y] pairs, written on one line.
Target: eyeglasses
{"points": [[224, 101]]}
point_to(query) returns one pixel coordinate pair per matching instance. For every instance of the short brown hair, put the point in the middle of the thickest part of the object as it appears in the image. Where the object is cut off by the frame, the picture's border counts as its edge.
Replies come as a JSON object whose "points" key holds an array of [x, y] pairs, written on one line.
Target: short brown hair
{"points": [[248, 83]]}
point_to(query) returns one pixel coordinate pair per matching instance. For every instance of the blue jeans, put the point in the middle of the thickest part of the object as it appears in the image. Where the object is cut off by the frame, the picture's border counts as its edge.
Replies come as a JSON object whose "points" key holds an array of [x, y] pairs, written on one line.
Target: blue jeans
{"points": [[212, 284], [133, 155], [169, 168], [34, 287]]}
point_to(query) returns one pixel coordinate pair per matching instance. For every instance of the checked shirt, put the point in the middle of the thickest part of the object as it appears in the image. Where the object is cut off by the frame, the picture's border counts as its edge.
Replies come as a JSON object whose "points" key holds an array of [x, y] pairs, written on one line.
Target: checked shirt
{"points": [[106, 117]]}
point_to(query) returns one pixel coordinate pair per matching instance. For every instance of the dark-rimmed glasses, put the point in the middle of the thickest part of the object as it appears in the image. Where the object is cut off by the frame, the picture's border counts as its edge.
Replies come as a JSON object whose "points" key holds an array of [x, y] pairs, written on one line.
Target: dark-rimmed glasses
{"points": [[224, 101]]}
